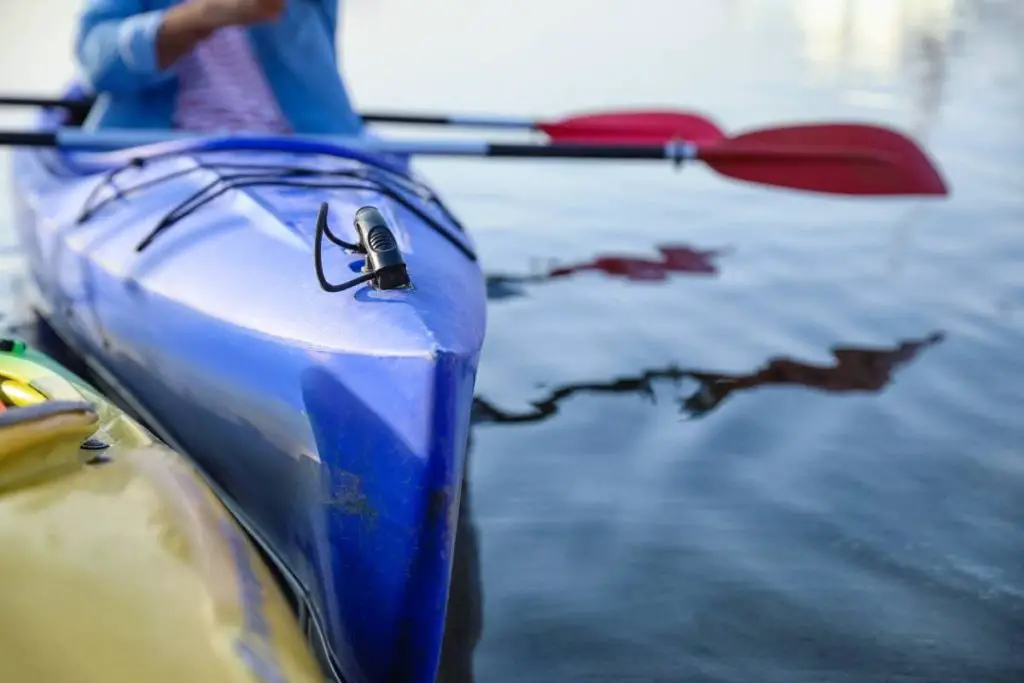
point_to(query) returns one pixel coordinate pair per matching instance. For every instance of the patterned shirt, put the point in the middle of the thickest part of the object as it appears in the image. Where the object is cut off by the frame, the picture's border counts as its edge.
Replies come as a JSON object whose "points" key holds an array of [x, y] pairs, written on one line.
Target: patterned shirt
{"points": [[221, 88]]}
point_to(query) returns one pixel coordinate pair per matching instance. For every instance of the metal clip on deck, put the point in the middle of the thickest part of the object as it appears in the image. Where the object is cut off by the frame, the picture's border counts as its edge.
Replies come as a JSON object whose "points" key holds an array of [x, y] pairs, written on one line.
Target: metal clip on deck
{"points": [[383, 257], [384, 267]]}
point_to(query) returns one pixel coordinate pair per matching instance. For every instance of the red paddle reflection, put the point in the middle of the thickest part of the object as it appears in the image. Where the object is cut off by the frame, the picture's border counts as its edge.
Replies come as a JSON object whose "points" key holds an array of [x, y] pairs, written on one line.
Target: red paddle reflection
{"points": [[855, 369], [674, 259]]}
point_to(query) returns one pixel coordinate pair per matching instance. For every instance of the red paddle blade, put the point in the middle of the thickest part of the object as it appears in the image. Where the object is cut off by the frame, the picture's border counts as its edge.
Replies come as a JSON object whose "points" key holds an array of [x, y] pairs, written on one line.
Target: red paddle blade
{"points": [[852, 159], [638, 127]]}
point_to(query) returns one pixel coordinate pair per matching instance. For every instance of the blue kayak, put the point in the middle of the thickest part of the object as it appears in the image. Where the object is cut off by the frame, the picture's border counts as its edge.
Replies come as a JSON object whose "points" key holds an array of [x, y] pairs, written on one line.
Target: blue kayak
{"points": [[305, 321]]}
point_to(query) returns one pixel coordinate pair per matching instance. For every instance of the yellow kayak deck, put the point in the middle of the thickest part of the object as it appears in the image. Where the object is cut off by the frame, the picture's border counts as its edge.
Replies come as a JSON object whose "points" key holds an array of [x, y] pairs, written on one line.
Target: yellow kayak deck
{"points": [[117, 562]]}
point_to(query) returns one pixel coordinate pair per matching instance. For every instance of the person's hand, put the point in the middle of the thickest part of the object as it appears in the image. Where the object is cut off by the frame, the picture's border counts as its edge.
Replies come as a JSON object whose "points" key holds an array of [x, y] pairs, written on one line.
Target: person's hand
{"points": [[240, 12], [189, 23]]}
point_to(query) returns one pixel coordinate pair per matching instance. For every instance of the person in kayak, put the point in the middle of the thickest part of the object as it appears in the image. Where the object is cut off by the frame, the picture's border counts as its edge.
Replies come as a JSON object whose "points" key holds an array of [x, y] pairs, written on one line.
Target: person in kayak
{"points": [[214, 65]]}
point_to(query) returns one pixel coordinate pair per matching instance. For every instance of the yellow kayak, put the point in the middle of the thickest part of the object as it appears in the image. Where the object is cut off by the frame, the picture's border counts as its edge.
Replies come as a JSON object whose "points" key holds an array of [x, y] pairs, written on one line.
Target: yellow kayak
{"points": [[117, 562]]}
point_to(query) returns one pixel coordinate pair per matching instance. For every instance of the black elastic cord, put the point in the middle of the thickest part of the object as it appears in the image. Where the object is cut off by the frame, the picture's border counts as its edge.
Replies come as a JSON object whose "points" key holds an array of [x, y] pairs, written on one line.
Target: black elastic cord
{"points": [[363, 171], [89, 208], [318, 245], [323, 227], [211, 191], [205, 195], [371, 178]]}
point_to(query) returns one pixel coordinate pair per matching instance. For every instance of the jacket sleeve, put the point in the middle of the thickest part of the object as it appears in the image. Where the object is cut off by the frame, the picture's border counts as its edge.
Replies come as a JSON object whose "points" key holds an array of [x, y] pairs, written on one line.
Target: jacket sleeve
{"points": [[331, 10], [115, 46]]}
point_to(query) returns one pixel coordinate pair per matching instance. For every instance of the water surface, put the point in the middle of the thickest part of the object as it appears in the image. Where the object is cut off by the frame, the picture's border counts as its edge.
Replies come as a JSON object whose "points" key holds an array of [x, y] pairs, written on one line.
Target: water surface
{"points": [[724, 432]]}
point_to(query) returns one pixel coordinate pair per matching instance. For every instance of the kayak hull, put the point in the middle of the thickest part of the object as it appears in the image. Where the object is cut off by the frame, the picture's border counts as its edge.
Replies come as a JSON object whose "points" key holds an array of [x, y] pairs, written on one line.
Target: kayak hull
{"points": [[117, 552], [336, 422]]}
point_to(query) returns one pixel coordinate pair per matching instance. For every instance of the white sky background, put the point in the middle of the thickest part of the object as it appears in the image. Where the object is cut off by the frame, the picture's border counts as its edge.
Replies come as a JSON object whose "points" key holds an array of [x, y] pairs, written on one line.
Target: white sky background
{"points": [[530, 55]]}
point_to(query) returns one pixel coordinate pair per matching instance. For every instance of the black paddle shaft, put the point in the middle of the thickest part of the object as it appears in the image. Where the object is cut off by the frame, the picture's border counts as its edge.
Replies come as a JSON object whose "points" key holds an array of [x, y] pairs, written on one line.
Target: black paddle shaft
{"points": [[23, 139], [75, 106], [564, 150], [426, 119], [82, 106], [567, 150]]}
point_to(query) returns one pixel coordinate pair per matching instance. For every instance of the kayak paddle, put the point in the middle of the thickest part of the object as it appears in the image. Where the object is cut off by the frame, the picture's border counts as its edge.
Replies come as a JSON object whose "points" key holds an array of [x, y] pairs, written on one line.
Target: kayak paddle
{"points": [[848, 159], [78, 106], [640, 126], [630, 126]]}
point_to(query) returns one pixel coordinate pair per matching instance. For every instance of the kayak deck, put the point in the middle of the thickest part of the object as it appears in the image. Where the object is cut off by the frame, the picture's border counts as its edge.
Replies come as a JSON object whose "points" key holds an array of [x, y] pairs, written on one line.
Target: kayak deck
{"points": [[336, 421]]}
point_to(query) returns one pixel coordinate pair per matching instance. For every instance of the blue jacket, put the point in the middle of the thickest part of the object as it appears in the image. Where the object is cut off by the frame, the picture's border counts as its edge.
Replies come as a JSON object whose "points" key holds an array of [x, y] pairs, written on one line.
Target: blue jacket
{"points": [[116, 50]]}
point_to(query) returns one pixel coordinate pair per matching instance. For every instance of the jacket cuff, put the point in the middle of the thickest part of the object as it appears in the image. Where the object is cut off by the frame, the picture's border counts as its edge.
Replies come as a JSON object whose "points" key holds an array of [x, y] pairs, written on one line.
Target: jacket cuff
{"points": [[136, 42]]}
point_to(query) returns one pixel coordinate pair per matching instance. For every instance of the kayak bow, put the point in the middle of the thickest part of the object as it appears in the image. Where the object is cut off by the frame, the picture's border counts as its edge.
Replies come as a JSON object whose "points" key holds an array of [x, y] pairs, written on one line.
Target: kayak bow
{"points": [[336, 420]]}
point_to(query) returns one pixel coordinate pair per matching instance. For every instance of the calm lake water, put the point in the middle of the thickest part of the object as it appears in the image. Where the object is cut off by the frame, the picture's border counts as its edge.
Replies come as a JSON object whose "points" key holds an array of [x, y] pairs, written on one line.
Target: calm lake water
{"points": [[740, 434]]}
